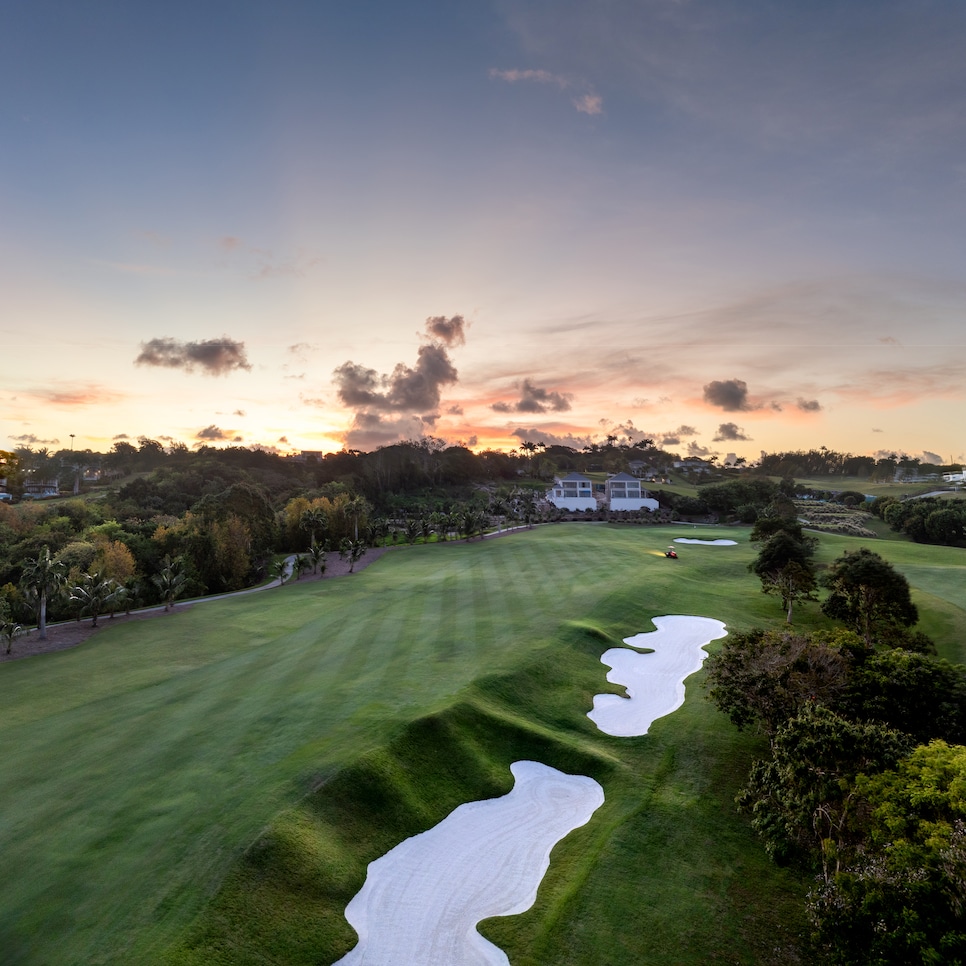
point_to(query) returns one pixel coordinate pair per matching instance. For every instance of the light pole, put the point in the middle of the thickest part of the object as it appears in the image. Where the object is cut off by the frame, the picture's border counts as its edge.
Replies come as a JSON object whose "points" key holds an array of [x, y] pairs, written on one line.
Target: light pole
{"points": [[76, 468]]}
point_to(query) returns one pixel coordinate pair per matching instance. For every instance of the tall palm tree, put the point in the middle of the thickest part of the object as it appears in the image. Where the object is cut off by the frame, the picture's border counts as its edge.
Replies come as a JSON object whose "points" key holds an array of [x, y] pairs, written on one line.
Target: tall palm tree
{"points": [[314, 520], [353, 509], [42, 578]]}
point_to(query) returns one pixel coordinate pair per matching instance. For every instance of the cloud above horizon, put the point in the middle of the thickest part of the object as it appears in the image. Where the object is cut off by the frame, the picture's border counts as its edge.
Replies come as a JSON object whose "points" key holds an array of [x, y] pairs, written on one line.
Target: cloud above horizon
{"points": [[31, 440], [535, 399], [212, 433], [588, 102], [730, 432], [214, 357], [88, 394], [410, 395], [731, 395]]}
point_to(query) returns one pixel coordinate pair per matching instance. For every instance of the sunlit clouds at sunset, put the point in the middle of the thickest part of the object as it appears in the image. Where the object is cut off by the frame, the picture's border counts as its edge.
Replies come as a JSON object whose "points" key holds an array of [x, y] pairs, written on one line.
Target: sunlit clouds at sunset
{"points": [[724, 226]]}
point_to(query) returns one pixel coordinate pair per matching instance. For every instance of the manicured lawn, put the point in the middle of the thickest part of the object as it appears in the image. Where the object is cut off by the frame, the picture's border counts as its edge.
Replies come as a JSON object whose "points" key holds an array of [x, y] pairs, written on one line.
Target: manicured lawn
{"points": [[269, 746]]}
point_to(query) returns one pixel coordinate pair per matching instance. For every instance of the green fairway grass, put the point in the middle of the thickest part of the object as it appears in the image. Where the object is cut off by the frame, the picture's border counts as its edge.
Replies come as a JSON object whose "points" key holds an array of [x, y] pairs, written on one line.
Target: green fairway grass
{"points": [[208, 786]]}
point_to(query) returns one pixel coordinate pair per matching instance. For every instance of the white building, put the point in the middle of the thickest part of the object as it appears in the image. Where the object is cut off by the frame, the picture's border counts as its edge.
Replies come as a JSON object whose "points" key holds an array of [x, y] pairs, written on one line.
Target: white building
{"points": [[624, 492], [959, 477], [573, 492]]}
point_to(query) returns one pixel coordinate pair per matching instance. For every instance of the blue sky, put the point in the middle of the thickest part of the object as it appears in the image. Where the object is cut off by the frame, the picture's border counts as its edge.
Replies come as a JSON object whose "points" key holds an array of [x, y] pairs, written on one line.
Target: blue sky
{"points": [[731, 226]]}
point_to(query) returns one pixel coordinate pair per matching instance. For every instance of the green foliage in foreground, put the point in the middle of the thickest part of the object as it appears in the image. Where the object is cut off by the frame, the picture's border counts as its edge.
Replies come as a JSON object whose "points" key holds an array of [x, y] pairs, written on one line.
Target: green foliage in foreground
{"points": [[143, 768]]}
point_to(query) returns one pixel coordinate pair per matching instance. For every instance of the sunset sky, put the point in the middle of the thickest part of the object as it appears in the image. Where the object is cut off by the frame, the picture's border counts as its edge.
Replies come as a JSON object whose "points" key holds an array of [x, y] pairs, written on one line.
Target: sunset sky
{"points": [[727, 225]]}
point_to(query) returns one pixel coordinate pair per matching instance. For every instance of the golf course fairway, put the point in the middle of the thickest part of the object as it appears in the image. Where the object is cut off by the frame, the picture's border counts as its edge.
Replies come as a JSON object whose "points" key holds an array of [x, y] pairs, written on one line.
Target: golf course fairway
{"points": [[209, 787]]}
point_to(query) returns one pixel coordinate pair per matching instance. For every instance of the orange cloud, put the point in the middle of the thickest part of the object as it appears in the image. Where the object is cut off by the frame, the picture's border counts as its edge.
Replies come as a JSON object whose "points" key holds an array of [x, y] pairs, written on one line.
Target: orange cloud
{"points": [[76, 396]]}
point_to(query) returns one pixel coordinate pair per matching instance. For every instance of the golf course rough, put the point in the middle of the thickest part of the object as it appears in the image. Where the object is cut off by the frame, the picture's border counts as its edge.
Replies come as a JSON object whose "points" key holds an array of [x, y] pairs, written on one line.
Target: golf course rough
{"points": [[654, 681], [422, 900]]}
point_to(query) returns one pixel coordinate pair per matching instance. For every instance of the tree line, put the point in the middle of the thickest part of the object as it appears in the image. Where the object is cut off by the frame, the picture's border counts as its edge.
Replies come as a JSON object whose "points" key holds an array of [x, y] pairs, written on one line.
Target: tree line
{"points": [[864, 785]]}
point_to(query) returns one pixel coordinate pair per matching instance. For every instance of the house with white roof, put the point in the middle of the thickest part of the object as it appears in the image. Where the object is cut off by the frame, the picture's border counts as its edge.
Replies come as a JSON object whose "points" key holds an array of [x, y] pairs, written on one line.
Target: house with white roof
{"points": [[572, 492], [624, 492]]}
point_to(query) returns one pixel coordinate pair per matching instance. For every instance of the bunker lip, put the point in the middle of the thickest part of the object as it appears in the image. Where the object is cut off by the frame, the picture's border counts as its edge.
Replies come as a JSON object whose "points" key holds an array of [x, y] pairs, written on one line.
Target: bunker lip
{"points": [[422, 900], [707, 543], [654, 682]]}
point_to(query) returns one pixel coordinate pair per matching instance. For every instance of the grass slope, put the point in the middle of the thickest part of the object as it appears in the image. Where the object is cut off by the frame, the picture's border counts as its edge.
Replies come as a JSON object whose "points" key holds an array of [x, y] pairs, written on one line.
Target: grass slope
{"points": [[662, 870], [292, 736]]}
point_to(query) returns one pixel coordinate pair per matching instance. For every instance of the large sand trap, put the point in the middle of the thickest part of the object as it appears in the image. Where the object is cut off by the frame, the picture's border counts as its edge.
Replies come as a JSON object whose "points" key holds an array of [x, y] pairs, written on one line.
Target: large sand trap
{"points": [[654, 682], [422, 900], [708, 543]]}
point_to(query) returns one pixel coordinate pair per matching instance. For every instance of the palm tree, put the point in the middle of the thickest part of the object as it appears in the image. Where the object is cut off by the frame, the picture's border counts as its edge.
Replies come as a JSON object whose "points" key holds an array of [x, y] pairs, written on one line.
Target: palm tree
{"points": [[353, 509], [42, 577], [317, 556], [9, 632], [280, 571], [313, 520], [299, 563], [171, 581], [118, 598], [92, 594], [351, 550]]}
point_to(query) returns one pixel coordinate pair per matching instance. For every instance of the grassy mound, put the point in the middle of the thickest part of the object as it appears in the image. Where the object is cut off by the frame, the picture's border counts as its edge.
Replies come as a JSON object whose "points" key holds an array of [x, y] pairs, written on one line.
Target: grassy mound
{"points": [[666, 829]]}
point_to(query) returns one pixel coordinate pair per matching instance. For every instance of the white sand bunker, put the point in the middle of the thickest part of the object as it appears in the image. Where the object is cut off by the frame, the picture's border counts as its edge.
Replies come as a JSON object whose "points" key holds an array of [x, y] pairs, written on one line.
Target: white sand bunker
{"points": [[708, 543], [654, 682], [422, 900]]}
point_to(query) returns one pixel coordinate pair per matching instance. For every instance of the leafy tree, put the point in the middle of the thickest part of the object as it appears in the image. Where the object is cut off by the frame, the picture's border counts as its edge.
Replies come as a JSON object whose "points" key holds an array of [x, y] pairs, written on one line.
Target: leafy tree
{"points": [[42, 577], [922, 696], [230, 544], [946, 527], [803, 800], [784, 566], [77, 557], [868, 594], [794, 583], [114, 559], [767, 677], [13, 472], [902, 898]]}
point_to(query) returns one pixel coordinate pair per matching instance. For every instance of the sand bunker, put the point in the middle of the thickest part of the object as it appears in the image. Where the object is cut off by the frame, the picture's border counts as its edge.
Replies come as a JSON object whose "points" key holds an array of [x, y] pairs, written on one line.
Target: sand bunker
{"points": [[654, 682], [708, 543], [422, 900]]}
